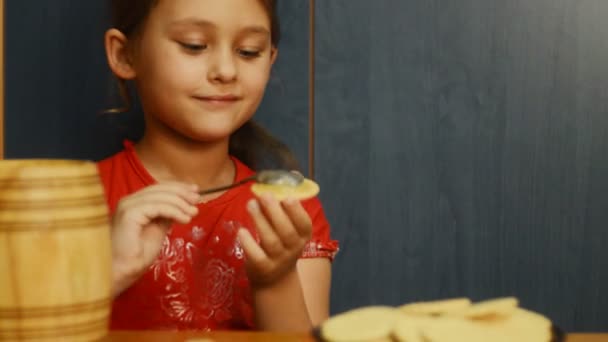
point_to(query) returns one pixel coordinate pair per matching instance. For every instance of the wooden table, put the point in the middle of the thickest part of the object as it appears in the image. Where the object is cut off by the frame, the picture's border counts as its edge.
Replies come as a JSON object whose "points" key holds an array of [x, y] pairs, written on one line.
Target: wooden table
{"points": [[216, 336], [169, 336]]}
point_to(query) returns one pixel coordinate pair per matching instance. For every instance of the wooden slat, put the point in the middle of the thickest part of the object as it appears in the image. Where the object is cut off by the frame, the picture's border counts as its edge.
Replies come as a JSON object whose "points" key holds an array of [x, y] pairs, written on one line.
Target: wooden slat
{"points": [[220, 336], [216, 336]]}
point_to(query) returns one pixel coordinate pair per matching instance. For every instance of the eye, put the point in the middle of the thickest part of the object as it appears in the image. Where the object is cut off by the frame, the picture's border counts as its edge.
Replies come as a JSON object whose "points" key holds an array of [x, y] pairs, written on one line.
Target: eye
{"points": [[249, 53], [193, 47]]}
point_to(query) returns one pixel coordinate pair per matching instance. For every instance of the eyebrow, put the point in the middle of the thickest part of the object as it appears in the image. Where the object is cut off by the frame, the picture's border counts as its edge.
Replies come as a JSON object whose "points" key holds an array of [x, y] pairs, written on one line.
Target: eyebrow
{"points": [[192, 22], [207, 24]]}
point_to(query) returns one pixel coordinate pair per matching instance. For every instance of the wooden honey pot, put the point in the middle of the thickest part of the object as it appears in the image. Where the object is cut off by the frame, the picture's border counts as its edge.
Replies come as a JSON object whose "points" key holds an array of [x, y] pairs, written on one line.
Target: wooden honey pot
{"points": [[55, 253]]}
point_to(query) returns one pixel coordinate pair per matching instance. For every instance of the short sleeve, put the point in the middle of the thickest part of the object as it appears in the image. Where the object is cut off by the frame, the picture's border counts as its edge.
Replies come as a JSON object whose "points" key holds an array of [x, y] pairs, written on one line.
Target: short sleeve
{"points": [[321, 244]]}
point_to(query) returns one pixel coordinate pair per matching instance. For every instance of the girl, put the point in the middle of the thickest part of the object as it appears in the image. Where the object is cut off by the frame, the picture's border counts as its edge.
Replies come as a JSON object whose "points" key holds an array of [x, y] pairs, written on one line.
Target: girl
{"points": [[223, 261]]}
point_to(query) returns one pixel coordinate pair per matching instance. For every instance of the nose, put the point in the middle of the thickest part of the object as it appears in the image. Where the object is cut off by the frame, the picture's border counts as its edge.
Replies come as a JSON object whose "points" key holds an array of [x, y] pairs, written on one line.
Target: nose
{"points": [[223, 67]]}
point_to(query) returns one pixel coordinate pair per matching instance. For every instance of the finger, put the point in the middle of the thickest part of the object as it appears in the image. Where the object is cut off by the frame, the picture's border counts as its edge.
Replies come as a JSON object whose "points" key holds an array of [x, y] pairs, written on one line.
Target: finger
{"points": [[188, 192], [145, 213], [160, 198], [253, 252], [279, 220], [192, 197], [298, 216], [269, 240]]}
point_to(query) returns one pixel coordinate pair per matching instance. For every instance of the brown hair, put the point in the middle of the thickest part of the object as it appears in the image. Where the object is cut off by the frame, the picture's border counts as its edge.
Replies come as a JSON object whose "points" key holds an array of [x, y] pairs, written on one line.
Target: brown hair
{"points": [[251, 143]]}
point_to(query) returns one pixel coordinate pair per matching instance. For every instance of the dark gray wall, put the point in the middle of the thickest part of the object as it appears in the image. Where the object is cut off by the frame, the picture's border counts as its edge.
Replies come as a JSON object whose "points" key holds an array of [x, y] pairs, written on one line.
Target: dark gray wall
{"points": [[462, 151], [461, 146]]}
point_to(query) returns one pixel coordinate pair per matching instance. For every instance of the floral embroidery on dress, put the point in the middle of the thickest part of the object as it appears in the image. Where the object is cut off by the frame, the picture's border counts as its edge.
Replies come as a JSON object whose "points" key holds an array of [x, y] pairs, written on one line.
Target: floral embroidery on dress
{"points": [[210, 297], [218, 290], [170, 264], [170, 258], [177, 306], [316, 249], [198, 233], [237, 250], [232, 228]]}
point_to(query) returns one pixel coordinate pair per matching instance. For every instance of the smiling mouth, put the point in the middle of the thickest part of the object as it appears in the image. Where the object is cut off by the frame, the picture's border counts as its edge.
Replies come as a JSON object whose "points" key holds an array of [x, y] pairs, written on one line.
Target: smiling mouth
{"points": [[218, 98]]}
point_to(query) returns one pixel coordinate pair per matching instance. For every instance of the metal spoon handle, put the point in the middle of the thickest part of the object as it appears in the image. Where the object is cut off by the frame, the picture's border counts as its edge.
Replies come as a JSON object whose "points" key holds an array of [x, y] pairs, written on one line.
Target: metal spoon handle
{"points": [[226, 187]]}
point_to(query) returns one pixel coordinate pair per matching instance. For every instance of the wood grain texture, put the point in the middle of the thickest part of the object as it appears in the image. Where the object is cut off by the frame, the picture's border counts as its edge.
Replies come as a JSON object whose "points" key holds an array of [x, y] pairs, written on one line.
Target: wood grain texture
{"points": [[192, 336], [198, 336], [55, 255], [461, 151]]}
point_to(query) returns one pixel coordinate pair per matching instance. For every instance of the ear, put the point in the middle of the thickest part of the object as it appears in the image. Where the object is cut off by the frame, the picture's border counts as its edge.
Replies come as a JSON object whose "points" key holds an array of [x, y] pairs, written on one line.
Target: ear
{"points": [[274, 52], [118, 54]]}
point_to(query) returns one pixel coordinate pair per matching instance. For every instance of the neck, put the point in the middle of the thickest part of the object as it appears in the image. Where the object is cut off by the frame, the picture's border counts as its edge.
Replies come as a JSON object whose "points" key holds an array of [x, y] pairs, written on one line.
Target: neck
{"points": [[179, 159]]}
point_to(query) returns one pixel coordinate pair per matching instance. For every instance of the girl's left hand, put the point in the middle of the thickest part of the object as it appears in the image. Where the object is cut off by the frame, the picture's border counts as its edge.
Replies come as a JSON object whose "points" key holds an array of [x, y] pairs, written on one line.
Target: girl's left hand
{"points": [[284, 228]]}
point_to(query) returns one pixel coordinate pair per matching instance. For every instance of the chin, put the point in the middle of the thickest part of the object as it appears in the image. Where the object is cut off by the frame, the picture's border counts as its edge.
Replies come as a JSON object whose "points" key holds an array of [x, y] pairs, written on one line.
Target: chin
{"points": [[210, 136]]}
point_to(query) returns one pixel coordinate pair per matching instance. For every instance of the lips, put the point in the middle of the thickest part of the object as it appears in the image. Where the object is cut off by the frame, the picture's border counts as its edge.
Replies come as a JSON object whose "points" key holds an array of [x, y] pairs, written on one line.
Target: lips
{"points": [[218, 98]]}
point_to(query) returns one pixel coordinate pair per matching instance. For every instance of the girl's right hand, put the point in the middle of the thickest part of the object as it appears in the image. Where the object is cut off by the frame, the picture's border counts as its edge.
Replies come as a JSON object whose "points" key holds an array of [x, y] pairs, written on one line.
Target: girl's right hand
{"points": [[140, 224]]}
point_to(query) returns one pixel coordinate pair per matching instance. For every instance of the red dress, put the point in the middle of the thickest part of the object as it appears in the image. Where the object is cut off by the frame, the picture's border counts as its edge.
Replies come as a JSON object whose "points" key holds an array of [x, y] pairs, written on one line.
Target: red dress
{"points": [[198, 281]]}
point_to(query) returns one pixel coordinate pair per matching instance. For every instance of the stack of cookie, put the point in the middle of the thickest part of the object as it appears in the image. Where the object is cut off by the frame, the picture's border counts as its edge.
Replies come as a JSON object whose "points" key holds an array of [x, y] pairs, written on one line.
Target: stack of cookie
{"points": [[452, 320]]}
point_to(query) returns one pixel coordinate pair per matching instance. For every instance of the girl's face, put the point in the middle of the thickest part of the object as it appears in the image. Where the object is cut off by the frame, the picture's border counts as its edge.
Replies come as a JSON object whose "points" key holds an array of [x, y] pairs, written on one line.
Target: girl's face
{"points": [[201, 66]]}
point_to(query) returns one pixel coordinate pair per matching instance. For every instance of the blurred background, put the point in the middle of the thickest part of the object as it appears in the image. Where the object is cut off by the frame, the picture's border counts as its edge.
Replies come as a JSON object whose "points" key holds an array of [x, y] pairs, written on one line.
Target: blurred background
{"points": [[461, 146]]}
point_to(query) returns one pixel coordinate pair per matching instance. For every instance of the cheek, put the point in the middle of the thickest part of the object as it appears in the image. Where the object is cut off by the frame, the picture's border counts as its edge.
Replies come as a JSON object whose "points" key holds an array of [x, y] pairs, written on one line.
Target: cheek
{"points": [[183, 73], [256, 79], [168, 69]]}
